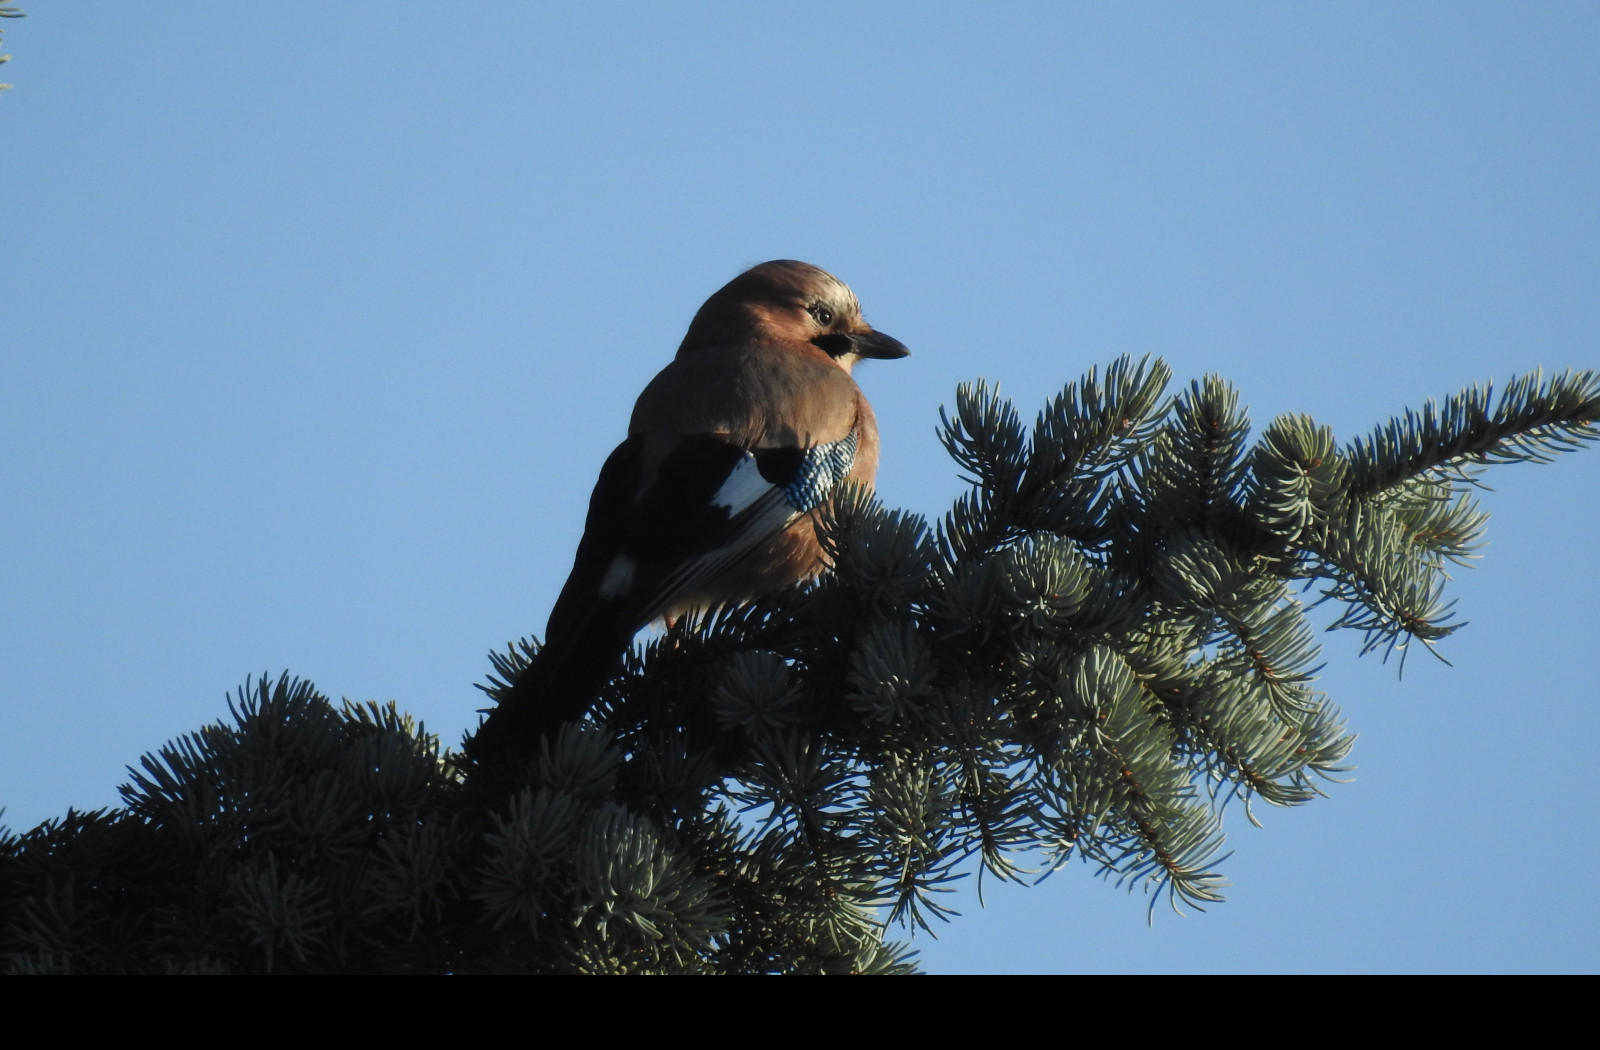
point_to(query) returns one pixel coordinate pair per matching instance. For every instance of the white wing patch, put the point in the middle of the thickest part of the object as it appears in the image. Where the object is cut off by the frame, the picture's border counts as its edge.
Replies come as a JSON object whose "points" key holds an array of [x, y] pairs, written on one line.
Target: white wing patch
{"points": [[743, 488], [758, 508], [618, 580]]}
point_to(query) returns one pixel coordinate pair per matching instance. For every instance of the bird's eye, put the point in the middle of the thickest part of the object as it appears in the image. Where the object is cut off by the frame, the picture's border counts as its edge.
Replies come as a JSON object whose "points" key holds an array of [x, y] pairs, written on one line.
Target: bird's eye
{"points": [[822, 315]]}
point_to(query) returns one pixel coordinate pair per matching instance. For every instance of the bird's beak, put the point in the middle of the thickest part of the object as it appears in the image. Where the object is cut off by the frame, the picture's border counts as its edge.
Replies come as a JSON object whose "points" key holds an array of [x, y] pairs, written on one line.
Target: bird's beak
{"points": [[876, 344]]}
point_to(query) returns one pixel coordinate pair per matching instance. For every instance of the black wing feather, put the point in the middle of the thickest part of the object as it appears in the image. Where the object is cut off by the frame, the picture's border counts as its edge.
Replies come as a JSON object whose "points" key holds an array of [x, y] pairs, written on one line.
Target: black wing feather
{"points": [[711, 505]]}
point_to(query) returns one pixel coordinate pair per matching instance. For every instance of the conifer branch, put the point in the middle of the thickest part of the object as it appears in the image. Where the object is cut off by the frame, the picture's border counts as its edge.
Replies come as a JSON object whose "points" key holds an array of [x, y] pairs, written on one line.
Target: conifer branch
{"points": [[1530, 421], [1089, 657]]}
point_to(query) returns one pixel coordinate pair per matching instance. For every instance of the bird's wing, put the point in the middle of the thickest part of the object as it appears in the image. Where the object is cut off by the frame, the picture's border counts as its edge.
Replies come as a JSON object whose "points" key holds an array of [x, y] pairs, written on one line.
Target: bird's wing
{"points": [[711, 506]]}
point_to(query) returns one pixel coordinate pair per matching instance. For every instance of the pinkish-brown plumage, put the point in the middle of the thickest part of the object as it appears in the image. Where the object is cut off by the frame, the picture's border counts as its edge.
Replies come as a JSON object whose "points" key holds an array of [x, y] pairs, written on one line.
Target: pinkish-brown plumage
{"points": [[711, 499]]}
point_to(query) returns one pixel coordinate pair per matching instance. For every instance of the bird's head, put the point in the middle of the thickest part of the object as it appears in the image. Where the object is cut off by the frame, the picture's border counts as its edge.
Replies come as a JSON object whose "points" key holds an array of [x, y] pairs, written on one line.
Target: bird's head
{"points": [[792, 302]]}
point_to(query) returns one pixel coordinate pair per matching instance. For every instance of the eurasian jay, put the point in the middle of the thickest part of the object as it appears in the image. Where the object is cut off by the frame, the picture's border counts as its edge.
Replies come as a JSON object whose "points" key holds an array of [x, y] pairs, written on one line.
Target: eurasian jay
{"points": [[711, 499]]}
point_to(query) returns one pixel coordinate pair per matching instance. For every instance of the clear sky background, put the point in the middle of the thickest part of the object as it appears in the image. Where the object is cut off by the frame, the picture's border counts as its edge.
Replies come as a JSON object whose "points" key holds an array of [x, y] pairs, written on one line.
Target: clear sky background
{"points": [[317, 322]]}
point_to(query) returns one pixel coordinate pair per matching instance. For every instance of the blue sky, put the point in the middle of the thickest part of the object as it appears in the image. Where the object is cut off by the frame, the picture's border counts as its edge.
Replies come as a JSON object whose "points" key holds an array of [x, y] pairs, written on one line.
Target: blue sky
{"points": [[317, 322]]}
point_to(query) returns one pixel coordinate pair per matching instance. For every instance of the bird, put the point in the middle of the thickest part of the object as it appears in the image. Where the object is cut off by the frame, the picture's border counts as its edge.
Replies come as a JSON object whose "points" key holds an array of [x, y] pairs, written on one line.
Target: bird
{"points": [[711, 500]]}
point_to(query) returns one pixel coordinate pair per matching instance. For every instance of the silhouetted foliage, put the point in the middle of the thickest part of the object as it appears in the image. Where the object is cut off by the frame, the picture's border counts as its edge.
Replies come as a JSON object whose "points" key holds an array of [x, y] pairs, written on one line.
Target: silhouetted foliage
{"points": [[1100, 645]]}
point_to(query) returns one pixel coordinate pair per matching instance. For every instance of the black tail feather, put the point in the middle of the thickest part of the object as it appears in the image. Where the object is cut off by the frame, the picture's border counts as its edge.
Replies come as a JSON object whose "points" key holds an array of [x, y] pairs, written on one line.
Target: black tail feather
{"points": [[557, 687]]}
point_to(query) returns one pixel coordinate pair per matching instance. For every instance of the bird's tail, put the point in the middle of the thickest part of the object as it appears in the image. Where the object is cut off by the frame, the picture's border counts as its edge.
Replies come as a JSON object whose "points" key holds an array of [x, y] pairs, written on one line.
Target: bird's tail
{"points": [[557, 686]]}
